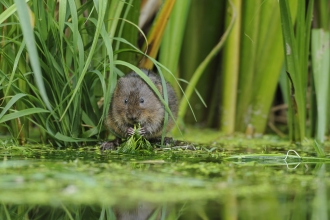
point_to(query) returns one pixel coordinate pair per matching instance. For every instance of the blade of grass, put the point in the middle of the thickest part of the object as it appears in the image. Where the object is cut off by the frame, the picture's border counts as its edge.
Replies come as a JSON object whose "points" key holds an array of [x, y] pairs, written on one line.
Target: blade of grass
{"points": [[165, 96], [115, 9], [129, 32], [320, 64], [249, 43], [319, 149], [230, 71], [22, 113], [172, 40], [12, 101], [8, 12], [65, 138], [24, 18]]}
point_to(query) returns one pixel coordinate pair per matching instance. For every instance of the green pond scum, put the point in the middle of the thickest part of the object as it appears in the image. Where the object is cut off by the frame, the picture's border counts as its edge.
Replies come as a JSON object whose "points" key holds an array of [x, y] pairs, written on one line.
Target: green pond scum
{"points": [[227, 179]]}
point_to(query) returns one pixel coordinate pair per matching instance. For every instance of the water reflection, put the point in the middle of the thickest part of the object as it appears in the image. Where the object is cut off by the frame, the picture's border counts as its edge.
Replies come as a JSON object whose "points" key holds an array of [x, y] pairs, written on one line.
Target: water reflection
{"points": [[311, 204]]}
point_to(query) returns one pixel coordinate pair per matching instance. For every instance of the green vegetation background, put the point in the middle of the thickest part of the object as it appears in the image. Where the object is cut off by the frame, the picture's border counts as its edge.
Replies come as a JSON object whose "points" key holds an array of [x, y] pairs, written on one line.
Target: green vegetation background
{"points": [[59, 62]]}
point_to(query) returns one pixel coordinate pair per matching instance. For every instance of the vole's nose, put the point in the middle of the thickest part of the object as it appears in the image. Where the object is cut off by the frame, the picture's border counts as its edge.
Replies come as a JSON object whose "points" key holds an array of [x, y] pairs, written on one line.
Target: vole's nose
{"points": [[132, 117]]}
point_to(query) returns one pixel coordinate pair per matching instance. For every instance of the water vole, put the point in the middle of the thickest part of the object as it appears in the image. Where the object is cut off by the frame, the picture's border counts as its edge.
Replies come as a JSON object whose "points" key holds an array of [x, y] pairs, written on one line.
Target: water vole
{"points": [[134, 102]]}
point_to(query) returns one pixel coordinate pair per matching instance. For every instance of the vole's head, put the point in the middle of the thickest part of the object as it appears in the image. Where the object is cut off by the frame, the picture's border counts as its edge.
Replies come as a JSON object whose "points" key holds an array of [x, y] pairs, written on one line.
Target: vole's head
{"points": [[135, 102]]}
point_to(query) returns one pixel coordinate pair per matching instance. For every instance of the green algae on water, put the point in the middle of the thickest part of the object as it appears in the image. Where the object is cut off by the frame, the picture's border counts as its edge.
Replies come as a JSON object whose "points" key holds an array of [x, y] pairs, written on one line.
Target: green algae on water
{"points": [[85, 183], [135, 143]]}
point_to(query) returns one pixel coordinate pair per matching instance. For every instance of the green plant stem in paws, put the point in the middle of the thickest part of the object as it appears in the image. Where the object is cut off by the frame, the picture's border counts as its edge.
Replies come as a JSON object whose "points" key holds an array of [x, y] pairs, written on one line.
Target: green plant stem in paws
{"points": [[135, 143]]}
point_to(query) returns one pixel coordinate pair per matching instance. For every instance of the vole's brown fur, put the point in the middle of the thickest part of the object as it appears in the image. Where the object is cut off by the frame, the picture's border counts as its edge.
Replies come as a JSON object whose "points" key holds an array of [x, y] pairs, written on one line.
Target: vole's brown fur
{"points": [[134, 102]]}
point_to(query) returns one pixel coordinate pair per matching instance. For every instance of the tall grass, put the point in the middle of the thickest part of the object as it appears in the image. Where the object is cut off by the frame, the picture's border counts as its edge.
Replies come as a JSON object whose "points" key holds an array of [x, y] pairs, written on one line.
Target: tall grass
{"points": [[173, 38], [296, 56], [250, 75], [60, 62], [71, 56], [268, 63]]}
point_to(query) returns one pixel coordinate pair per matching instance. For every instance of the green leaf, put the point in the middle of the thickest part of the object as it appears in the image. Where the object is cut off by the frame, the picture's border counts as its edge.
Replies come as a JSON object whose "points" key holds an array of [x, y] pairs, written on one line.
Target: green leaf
{"points": [[12, 101], [24, 19], [320, 64], [65, 138], [22, 113], [9, 12]]}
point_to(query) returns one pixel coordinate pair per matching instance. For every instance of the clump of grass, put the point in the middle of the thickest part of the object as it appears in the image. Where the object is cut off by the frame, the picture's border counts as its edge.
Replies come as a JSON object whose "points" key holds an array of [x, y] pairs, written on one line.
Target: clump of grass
{"points": [[135, 143], [296, 47]]}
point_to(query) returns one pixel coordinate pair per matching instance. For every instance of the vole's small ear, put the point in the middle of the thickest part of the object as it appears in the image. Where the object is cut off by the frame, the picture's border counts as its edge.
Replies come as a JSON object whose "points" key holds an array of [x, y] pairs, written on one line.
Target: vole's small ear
{"points": [[123, 81]]}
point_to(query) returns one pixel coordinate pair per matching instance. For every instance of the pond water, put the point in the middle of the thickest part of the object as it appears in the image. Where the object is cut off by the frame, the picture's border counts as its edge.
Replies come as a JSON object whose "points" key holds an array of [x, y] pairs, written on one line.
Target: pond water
{"points": [[228, 180]]}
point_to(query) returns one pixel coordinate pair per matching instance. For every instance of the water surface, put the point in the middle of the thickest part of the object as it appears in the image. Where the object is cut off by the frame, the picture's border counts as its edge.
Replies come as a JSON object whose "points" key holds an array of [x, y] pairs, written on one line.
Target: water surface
{"points": [[224, 180]]}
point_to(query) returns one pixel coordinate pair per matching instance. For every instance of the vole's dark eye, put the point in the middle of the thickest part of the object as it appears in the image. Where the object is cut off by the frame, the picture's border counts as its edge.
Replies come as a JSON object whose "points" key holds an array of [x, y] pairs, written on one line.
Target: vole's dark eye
{"points": [[141, 100], [126, 100]]}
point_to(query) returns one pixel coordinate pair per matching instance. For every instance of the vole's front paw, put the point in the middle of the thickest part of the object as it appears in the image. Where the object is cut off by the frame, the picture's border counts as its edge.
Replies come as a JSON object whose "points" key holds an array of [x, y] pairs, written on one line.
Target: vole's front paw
{"points": [[142, 131], [130, 131]]}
